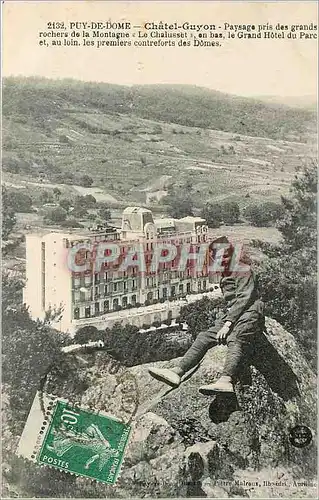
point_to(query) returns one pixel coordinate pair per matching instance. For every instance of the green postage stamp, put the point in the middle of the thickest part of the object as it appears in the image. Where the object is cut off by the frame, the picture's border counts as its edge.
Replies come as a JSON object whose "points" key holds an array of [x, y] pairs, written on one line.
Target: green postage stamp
{"points": [[75, 440]]}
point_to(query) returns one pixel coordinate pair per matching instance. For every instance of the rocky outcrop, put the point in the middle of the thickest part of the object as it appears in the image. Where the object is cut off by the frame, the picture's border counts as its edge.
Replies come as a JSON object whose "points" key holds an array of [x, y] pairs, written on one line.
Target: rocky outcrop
{"points": [[229, 446]]}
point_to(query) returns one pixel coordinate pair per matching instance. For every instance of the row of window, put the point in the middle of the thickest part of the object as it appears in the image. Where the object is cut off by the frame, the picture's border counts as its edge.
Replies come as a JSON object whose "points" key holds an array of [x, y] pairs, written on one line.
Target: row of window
{"points": [[101, 308], [166, 274], [99, 291], [98, 278], [112, 305]]}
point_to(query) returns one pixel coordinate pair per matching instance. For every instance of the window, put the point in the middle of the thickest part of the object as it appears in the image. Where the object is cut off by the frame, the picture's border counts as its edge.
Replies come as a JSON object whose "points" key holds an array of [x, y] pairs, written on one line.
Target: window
{"points": [[106, 305], [181, 289], [87, 312], [173, 291], [106, 290], [125, 286], [115, 303], [97, 278], [114, 287], [77, 282], [76, 313], [105, 276], [204, 284], [87, 280], [188, 288], [133, 300], [76, 296], [164, 293], [124, 301], [97, 308], [133, 284], [149, 296]]}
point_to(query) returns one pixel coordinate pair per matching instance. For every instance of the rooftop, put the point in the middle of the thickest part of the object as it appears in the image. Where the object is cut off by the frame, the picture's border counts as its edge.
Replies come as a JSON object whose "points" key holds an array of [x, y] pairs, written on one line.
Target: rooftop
{"points": [[136, 210]]}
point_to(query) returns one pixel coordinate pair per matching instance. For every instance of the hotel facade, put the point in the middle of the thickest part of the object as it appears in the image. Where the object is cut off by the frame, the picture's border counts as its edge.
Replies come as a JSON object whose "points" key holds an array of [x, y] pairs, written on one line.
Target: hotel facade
{"points": [[65, 271]]}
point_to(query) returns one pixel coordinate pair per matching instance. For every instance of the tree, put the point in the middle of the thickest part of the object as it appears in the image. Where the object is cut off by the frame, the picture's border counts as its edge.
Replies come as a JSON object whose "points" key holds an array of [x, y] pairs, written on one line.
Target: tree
{"points": [[89, 201], [299, 222], [8, 215], [79, 212], [56, 215], [71, 223], [85, 181], [230, 212], [288, 274], [57, 193], [19, 201], [46, 197], [200, 315], [104, 211], [264, 214], [212, 213], [180, 200], [179, 207], [87, 334], [65, 203]]}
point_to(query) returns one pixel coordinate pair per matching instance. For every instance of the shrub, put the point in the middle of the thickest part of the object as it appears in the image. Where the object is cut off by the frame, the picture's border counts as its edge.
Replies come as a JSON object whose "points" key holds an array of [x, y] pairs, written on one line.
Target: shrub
{"points": [[288, 276], [71, 223], [87, 333], [264, 214], [56, 215]]}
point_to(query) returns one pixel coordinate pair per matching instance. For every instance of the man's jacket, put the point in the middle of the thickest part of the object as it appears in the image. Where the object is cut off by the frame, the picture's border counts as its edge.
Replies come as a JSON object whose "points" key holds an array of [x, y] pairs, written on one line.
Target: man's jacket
{"points": [[241, 295]]}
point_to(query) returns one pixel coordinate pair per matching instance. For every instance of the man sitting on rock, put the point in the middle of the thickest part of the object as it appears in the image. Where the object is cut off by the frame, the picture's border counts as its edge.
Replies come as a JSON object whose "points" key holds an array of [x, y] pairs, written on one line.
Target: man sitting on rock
{"points": [[239, 325]]}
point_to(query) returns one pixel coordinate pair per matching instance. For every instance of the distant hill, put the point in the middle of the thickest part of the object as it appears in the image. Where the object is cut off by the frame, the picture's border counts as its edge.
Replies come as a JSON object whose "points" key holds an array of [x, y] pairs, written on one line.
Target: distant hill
{"points": [[309, 102], [181, 104], [129, 138]]}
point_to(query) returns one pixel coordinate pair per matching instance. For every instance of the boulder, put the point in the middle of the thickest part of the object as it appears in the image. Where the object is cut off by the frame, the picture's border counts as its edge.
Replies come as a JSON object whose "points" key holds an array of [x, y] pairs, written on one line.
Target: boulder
{"points": [[185, 444]]}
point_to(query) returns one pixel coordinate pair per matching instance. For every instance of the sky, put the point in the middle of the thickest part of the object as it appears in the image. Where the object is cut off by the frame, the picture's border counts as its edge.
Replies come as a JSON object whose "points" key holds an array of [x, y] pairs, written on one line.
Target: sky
{"points": [[242, 67]]}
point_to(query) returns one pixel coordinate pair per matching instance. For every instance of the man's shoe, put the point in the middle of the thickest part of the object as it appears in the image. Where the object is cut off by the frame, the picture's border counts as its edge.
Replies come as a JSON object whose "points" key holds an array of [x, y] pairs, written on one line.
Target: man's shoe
{"points": [[164, 375], [222, 385]]}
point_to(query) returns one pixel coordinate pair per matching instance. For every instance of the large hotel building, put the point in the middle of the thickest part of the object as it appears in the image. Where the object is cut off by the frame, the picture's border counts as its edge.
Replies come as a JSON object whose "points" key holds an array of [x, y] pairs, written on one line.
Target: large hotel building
{"points": [[100, 293]]}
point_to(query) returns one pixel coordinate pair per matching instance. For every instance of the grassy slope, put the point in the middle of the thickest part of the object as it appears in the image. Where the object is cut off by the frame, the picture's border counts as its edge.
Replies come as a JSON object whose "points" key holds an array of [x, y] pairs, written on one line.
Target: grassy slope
{"points": [[143, 138]]}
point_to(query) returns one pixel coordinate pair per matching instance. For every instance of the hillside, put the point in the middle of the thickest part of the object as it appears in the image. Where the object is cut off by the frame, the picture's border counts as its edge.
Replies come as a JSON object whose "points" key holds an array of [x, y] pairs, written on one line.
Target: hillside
{"points": [[128, 139], [306, 102]]}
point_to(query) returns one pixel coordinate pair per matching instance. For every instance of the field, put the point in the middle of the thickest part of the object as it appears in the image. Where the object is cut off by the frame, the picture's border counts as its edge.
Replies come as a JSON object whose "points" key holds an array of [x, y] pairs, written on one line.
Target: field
{"points": [[54, 130]]}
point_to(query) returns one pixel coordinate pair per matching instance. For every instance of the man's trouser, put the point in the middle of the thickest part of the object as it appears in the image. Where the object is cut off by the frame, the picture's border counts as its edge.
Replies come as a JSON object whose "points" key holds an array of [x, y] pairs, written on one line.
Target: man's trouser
{"points": [[240, 341]]}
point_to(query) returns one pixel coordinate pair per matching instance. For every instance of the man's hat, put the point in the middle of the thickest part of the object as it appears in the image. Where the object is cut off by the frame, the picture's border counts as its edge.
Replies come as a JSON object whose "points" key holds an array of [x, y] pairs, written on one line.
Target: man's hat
{"points": [[222, 240], [219, 241]]}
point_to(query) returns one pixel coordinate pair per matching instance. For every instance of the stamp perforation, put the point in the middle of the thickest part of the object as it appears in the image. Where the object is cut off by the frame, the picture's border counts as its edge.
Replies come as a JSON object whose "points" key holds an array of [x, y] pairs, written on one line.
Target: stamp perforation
{"points": [[109, 451]]}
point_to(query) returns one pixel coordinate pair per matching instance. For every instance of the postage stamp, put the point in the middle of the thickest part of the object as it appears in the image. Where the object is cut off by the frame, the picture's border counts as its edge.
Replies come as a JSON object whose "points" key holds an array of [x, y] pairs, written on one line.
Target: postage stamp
{"points": [[74, 439]]}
